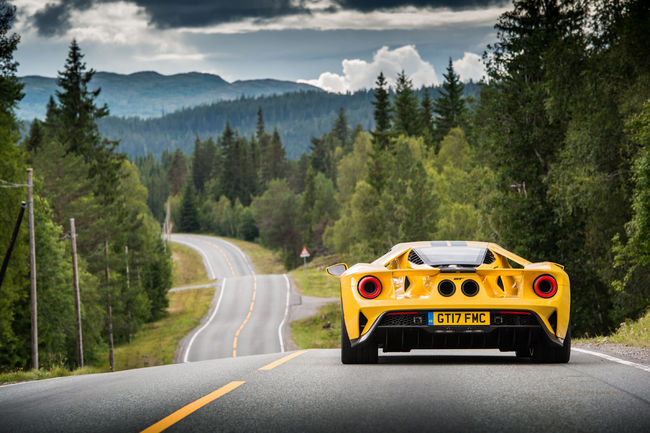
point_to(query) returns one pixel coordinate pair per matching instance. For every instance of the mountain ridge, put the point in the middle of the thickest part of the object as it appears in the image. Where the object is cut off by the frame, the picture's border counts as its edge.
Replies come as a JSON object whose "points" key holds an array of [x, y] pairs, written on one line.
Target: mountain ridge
{"points": [[148, 94]]}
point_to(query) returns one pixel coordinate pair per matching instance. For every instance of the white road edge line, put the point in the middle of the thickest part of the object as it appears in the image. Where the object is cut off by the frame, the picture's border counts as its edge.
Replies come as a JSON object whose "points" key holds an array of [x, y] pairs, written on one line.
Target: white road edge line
{"points": [[614, 359], [205, 325], [286, 312], [206, 262]]}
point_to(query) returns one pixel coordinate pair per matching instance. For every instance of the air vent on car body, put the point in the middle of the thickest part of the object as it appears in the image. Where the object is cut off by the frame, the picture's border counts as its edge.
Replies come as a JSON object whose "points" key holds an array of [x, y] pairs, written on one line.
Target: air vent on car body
{"points": [[414, 258], [489, 257]]}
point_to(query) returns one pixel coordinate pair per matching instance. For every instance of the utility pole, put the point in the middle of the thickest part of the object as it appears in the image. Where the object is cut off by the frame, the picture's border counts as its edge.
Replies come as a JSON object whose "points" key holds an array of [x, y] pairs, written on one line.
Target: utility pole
{"points": [[32, 266], [77, 297], [128, 285], [111, 357]]}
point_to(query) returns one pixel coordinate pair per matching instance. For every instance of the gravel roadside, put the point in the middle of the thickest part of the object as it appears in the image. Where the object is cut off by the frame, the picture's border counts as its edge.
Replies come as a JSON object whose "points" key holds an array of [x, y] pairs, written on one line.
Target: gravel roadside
{"points": [[629, 353]]}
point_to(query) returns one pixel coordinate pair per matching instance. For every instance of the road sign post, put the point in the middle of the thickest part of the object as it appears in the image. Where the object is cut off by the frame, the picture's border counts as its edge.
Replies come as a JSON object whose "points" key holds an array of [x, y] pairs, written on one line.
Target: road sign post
{"points": [[304, 254]]}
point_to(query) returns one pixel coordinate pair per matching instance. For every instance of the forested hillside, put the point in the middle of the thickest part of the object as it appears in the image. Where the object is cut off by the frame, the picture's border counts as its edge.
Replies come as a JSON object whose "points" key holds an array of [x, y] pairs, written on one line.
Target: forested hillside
{"points": [[124, 268], [552, 162], [150, 94], [297, 117]]}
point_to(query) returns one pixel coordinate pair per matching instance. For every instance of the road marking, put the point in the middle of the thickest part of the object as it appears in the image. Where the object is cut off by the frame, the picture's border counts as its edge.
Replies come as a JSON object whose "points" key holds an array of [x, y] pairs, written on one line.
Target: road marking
{"points": [[241, 253], [286, 312], [181, 413], [614, 359], [281, 361], [206, 261], [248, 316], [205, 325], [225, 256]]}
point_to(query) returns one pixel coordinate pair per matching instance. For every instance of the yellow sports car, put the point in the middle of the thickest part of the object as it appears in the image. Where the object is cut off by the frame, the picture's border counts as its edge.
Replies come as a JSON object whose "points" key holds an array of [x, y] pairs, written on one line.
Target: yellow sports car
{"points": [[454, 294]]}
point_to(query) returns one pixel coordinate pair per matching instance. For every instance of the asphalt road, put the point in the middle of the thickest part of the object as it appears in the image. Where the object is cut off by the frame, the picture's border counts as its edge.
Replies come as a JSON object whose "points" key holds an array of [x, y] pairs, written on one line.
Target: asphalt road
{"points": [[313, 391], [249, 311]]}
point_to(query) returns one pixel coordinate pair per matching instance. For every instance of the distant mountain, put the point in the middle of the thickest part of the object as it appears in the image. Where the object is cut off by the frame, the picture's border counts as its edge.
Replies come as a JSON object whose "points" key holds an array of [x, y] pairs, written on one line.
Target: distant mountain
{"points": [[297, 116], [150, 94]]}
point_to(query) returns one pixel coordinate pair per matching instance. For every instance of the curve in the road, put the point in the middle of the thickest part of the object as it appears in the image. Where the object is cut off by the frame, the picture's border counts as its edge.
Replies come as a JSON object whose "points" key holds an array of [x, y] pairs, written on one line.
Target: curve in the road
{"points": [[249, 311]]}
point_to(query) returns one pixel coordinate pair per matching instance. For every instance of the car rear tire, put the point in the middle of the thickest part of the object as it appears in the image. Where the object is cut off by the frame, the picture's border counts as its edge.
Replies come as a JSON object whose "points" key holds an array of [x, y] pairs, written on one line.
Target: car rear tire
{"points": [[545, 352], [362, 354]]}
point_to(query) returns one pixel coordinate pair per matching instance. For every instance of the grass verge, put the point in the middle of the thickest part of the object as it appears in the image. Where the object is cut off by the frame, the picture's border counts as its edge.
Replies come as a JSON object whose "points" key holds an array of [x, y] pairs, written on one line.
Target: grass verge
{"points": [[264, 260], [188, 266], [631, 333], [322, 331], [318, 283], [23, 376], [156, 342]]}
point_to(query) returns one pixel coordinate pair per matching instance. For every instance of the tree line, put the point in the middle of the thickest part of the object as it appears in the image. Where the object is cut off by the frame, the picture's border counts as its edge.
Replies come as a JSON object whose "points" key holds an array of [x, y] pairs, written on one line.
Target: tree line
{"points": [[298, 116], [78, 174], [550, 161]]}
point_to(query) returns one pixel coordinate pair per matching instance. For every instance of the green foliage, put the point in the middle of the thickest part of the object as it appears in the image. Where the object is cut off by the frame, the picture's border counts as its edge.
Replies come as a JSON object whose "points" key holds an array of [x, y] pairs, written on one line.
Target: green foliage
{"points": [[450, 107], [189, 217], [10, 87], [405, 114], [276, 216]]}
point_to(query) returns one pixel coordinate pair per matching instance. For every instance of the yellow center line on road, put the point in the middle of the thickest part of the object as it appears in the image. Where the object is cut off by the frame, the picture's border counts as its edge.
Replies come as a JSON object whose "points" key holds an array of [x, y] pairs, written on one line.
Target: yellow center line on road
{"points": [[248, 316], [225, 256], [181, 413], [280, 361]]}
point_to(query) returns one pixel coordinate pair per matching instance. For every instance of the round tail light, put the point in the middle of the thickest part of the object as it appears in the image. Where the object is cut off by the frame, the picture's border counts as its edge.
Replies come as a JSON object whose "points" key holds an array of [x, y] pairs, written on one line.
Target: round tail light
{"points": [[446, 288], [469, 288], [545, 286], [369, 287]]}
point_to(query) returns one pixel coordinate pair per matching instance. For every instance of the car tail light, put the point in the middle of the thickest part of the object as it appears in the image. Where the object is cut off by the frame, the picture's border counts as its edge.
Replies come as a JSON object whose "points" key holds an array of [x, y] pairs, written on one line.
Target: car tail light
{"points": [[369, 287], [545, 286]]}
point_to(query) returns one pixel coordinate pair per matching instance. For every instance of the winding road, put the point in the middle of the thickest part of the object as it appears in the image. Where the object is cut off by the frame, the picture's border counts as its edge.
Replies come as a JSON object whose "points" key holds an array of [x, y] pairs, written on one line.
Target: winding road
{"points": [[311, 391], [249, 311]]}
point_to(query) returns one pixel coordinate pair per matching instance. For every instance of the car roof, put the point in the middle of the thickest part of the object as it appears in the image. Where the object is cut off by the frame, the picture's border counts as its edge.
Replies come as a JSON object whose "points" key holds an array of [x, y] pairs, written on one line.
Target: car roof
{"points": [[404, 246]]}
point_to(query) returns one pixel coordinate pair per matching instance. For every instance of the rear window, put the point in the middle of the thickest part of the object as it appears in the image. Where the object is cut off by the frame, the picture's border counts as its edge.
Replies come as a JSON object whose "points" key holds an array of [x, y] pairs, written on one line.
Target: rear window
{"points": [[445, 256]]}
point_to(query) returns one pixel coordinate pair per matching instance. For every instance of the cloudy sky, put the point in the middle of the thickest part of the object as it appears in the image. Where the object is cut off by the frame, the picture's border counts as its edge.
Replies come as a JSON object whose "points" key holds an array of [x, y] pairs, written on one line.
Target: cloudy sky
{"points": [[340, 45]]}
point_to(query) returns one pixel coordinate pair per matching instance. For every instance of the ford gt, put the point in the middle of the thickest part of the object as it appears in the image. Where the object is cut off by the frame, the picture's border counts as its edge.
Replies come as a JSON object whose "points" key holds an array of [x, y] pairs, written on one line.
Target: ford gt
{"points": [[454, 294]]}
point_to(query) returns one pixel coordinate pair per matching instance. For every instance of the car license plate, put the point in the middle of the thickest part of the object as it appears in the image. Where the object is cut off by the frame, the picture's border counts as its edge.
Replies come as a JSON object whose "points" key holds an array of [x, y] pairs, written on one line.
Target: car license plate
{"points": [[453, 318]]}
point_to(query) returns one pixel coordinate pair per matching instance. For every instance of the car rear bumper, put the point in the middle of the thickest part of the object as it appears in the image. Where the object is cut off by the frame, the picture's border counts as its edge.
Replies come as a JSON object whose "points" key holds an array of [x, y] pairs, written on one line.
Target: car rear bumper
{"points": [[403, 330]]}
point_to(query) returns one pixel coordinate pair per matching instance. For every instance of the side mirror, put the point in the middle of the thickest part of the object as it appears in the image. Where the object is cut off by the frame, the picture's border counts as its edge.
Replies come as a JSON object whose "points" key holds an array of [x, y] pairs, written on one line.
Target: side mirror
{"points": [[337, 270]]}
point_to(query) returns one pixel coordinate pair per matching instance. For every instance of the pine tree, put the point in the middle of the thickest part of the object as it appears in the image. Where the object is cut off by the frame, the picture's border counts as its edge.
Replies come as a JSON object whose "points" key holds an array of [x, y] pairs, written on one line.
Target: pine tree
{"points": [[341, 131], [203, 161], [10, 86], [320, 156], [76, 110], [189, 218], [177, 172], [382, 133], [406, 107], [35, 138], [381, 137], [426, 124], [260, 124], [230, 175], [450, 106]]}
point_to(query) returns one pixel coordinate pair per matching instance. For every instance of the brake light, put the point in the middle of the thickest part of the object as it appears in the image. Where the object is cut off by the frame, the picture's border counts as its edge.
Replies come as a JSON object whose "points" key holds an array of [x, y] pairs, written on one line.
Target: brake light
{"points": [[369, 287], [545, 286]]}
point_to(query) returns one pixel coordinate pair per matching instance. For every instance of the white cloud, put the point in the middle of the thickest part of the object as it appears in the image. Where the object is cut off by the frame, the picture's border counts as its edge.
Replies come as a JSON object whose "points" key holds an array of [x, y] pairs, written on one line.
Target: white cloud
{"points": [[470, 67], [405, 18], [359, 74]]}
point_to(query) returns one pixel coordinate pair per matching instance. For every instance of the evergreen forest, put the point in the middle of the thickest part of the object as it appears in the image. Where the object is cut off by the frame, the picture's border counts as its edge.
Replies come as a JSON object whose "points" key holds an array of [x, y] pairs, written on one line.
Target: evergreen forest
{"points": [[124, 270], [549, 160]]}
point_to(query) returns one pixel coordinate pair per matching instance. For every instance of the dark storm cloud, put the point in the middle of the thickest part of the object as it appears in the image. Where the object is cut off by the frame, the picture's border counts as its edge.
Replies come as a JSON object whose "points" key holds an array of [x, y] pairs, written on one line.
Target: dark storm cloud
{"points": [[371, 5], [54, 19]]}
